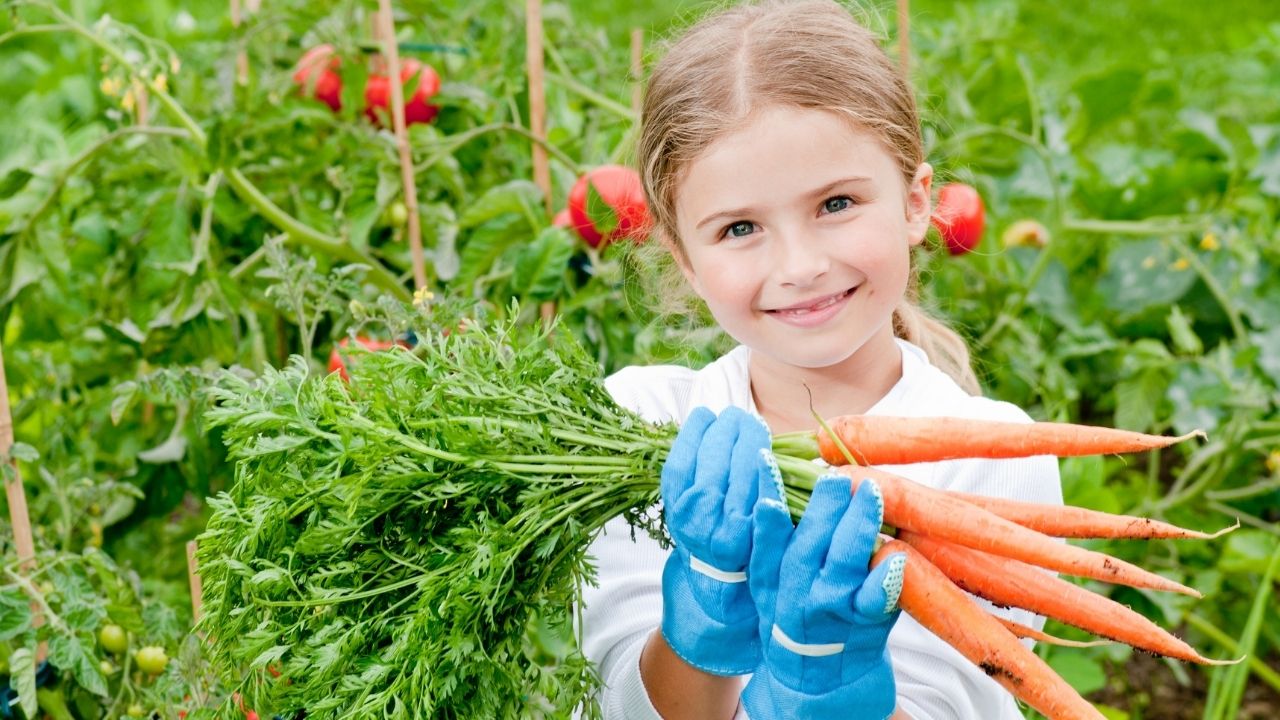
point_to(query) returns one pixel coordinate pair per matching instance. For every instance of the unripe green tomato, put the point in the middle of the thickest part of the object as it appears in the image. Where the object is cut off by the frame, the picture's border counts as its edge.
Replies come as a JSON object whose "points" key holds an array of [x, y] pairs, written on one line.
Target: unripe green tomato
{"points": [[135, 710], [106, 667], [113, 638], [397, 214], [152, 659]]}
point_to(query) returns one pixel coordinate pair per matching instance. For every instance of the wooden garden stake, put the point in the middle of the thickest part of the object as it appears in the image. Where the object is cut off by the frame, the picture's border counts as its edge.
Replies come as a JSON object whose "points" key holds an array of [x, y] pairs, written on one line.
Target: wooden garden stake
{"points": [[538, 117], [537, 98], [637, 71], [904, 36], [197, 596], [242, 58], [391, 54], [19, 519]]}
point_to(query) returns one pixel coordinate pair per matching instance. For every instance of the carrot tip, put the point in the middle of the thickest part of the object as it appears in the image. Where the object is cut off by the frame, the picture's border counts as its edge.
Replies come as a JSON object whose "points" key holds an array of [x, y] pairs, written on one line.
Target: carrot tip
{"points": [[1223, 531], [1237, 661]]}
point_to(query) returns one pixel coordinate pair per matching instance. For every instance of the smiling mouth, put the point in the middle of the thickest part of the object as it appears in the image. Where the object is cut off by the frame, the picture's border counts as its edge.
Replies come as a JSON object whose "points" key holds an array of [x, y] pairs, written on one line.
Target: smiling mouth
{"points": [[815, 307]]}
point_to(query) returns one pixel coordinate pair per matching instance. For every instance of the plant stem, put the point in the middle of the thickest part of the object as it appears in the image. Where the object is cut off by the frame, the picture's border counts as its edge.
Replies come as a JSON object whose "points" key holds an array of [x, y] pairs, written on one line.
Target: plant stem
{"points": [[1214, 633]]}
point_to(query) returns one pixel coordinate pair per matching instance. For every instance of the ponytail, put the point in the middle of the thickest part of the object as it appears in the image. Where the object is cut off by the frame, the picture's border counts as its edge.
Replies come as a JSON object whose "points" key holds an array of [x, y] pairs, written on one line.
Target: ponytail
{"points": [[944, 347]]}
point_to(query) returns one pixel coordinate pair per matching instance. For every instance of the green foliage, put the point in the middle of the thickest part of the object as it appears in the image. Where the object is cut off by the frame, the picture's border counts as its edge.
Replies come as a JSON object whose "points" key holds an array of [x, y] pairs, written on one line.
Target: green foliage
{"points": [[245, 224]]}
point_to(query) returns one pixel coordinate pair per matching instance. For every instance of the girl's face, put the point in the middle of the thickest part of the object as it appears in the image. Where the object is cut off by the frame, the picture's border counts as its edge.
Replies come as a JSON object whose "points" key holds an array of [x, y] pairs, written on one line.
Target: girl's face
{"points": [[797, 231]]}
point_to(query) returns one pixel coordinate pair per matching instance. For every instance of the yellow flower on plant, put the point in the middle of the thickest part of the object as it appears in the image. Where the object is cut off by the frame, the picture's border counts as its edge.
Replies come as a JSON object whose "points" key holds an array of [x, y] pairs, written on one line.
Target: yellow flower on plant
{"points": [[110, 86], [127, 102], [423, 296], [1273, 461], [1209, 242], [1180, 264], [160, 83], [174, 64]]}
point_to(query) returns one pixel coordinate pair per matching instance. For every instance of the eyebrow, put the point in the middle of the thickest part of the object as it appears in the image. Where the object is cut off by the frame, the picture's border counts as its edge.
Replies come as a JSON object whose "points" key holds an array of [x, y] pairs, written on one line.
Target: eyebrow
{"points": [[740, 212]]}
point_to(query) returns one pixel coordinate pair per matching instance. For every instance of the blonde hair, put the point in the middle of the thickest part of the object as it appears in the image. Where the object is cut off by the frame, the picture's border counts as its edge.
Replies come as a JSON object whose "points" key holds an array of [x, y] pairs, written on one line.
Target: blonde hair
{"points": [[809, 54]]}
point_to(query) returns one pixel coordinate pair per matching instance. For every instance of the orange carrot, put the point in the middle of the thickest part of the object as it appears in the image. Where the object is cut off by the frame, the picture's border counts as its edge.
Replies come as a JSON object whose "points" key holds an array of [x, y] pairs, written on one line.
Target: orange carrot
{"points": [[1008, 582], [915, 507], [941, 607], [1067, 521], [878, 440], [1022, 631]]}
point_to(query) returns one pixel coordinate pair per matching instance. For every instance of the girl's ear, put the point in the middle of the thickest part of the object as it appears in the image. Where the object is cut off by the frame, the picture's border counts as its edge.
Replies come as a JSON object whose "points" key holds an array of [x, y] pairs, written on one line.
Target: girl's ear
{"points": [[919, 204]]}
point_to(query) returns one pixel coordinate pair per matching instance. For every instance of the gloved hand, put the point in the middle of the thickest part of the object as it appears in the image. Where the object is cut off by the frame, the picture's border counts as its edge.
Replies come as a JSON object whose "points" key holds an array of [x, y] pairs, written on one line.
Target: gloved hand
{"points": [[709, 486], [824, 619]]}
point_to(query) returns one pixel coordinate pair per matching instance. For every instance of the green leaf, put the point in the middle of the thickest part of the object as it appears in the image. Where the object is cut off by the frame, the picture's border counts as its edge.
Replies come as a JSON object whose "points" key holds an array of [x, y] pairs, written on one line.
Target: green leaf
{"points": [[24, 452], [1083, 673], [514, 197], [15, 612], [1142, 274], [1138, 399], [69, 653], [19, 267], [1183, 335], [13, 182], [486, 244], [22, 674], [540, 266], [123, 395], [602, 215]]}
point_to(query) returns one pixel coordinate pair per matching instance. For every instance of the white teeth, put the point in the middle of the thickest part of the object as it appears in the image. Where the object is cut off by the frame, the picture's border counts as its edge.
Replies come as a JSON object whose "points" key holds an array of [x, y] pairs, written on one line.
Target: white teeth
{"points": [[814, 308]]}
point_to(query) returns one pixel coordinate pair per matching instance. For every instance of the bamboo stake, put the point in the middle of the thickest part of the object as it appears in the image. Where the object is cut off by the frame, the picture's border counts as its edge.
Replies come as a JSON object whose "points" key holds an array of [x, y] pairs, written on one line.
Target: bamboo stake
{"points": [[637, 71], [387, 34], [19, 518], [193, 578], [904, 36]]}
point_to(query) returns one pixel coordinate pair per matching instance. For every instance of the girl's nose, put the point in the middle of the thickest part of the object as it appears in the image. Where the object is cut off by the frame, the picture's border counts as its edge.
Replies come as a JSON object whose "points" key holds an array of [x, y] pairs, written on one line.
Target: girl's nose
{"points": [[798, 261]]}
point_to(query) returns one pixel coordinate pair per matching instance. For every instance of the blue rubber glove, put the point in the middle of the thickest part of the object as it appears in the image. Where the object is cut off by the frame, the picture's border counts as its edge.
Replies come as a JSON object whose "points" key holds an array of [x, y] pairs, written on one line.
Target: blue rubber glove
{"points": [[824, 619], [709, 487]]}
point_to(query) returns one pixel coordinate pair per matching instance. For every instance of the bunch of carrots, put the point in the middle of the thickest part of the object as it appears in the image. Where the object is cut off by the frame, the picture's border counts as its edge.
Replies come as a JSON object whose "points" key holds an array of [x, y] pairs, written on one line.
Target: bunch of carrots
{"points": [[388, 541], [996, 548]]}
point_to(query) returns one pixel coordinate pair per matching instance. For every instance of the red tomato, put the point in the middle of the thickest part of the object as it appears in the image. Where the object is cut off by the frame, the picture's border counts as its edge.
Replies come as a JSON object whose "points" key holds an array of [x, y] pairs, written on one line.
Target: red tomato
{"points": [[562, 219], [959, 217], [337, 363], [624, 214], [321, 63], [377, 93]]}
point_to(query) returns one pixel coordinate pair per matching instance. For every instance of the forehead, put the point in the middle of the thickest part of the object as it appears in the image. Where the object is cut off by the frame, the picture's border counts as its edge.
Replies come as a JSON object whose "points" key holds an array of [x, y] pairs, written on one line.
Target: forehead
{"points": [[777, 154]]}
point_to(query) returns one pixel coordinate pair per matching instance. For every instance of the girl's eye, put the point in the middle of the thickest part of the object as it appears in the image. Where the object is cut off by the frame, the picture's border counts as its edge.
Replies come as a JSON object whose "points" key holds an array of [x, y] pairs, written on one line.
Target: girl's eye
{"points": [[739, 229], [838, 203]]}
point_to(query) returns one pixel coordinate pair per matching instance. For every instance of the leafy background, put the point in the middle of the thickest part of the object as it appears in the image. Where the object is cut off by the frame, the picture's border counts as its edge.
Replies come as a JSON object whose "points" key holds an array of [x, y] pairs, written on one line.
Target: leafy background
{"points": [[133, 263]]}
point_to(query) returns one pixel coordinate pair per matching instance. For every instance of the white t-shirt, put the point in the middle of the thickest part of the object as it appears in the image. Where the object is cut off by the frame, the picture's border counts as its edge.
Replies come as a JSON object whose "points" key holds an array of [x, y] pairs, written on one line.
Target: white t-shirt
{"points": [[934, 682]]}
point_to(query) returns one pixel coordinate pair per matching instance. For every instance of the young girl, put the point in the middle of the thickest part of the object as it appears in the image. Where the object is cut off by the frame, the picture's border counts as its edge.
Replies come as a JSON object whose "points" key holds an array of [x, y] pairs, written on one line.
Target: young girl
{"points": [[782, 159]]}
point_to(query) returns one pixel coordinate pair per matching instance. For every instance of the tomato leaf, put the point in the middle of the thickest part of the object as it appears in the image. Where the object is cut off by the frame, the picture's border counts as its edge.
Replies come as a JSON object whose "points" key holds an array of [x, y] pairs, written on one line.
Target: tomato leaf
{"points": [[22, 674], [68, 652], [602, 215], [516, 196], [15, 612], [540, 266], [14, 181]]}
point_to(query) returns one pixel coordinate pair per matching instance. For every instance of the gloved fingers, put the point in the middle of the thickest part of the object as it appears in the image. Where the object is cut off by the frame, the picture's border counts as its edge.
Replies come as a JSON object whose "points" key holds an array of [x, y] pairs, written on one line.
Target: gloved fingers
{"points": [[677, 471], [812, 538], [740, 497], [877, 600], [769, 478], [771, 534], [711, 470], [854, 539]]}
